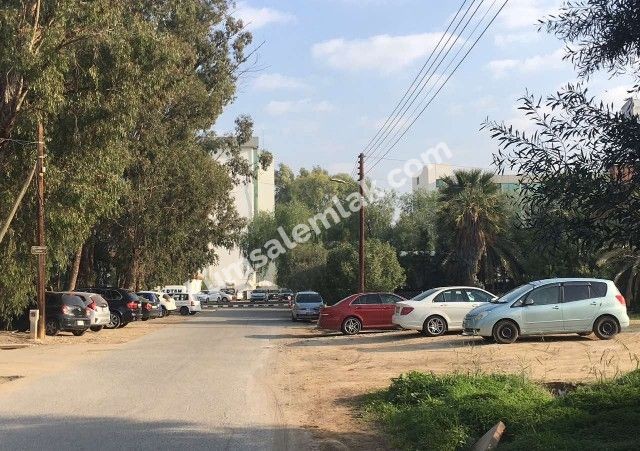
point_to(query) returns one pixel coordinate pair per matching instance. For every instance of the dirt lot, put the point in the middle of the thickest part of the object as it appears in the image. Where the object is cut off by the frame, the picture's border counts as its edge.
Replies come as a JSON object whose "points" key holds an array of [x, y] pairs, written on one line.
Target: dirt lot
{"points": [[325, 375]]}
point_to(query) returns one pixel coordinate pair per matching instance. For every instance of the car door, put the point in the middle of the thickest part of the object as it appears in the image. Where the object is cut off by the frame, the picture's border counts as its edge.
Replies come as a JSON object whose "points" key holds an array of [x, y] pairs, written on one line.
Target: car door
{"points": [[455, 304], [579, 306], [542, 310], [388, 308], [369, 308]]}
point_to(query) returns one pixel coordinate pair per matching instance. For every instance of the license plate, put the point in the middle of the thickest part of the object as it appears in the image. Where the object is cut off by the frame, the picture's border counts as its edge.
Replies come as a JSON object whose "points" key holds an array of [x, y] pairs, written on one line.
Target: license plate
{"points": [[79, 323]]}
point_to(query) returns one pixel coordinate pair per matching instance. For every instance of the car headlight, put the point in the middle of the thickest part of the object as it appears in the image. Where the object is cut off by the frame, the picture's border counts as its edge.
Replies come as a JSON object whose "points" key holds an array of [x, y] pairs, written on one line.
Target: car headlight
{"points": [[481, 316]]}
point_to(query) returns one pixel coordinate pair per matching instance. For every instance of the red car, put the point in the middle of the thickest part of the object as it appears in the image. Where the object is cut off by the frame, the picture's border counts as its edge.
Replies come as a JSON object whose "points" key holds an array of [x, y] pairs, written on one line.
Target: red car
{"points": [[360, 311]]}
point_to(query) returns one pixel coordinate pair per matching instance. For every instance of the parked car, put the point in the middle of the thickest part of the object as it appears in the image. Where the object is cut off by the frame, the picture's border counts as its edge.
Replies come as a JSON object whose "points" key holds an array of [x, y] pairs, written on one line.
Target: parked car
{"points": [[167, 303], [285, 294], [360, 311], [187, 303], [206, 296], [124, 305], [99, 313], [439, 310], [258, 295], [273, 294], [151, 309], [231, 292], [306, 306], [552, 306], [66, 313]]}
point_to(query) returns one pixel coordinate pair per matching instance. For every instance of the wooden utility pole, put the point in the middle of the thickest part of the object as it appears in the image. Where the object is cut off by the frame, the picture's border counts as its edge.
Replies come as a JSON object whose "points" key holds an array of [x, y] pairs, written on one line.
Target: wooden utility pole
{"points": [[361, 286], [41, 238]]}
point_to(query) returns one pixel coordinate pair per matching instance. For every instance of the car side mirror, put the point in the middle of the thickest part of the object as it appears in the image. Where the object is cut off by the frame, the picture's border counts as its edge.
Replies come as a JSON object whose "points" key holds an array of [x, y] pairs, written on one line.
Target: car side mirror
{"points": [[528, 302]]}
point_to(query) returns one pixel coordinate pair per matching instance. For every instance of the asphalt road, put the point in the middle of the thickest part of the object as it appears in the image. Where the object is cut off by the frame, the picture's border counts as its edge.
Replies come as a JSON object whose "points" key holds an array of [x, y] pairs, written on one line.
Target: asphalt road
{"points": [[201, 384]]}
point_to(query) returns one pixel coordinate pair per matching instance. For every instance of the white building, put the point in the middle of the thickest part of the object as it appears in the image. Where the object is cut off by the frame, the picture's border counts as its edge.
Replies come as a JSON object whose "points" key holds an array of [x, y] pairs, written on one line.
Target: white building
{"points": [[430, 179], [255, 196]]}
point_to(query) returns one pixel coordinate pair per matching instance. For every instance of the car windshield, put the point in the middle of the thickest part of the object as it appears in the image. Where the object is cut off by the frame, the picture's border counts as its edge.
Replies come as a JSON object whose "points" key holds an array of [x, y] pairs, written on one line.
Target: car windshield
{"points": [[513, 295], [424, 295], [308, 298]]}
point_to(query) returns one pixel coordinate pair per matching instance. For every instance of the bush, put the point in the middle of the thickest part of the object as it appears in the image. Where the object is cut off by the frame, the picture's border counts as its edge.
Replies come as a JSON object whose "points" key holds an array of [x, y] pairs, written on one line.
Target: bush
{"points": [[430, 412]]}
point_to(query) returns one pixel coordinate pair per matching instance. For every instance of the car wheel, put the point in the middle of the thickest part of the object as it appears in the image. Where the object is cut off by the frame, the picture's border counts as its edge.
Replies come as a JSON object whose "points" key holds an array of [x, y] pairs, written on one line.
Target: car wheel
{"points": [[434, 326], [163, 312], [351, 326], [114, 321], [145, 319], [192, 313], [96, 328], [505, 332], [79, 333], [606, 328], [52, 327], [184, 311]]}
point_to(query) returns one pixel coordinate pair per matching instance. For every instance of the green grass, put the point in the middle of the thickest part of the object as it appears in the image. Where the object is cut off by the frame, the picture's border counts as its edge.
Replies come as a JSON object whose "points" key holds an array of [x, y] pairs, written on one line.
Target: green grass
{"points": [[428, 412]]}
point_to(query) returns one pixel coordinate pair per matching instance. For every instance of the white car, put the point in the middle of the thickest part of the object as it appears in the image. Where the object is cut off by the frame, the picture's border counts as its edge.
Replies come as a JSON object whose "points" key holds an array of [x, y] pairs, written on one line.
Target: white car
{"points": [[187, 303], [439, 310], [207, 296], [100, 314], [167, 303]]}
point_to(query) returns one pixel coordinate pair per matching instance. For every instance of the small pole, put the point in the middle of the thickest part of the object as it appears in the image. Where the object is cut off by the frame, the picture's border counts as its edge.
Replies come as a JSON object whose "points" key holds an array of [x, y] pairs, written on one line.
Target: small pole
{"points": [[41, 238], [361, 256]]}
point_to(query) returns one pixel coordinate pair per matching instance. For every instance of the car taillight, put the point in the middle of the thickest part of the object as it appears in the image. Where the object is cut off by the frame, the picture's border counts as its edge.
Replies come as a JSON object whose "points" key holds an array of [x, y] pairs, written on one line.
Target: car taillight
{"points": [[132, 305], [66, 309], [406, 310], [92, 306], [621, 299], [148, 307]]}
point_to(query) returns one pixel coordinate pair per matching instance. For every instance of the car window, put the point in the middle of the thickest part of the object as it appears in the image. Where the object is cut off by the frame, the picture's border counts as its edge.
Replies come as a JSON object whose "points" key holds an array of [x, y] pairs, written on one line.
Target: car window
{"points": [[388, 298], [576, 292], [114, 295], [546, 295], [368, 299], [478, 296], [303, 298], [453, 296], [598, 289], [424, 294]]}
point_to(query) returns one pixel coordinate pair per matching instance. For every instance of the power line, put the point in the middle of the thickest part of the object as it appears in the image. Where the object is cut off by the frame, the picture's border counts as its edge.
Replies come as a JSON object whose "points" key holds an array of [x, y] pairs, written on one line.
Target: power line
{"points": [[446, 33], [397, 121], [443, 84]]}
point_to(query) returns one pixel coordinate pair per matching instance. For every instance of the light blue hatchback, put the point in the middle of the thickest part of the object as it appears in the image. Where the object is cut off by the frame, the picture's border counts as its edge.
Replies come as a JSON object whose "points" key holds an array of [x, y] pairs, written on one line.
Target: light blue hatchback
{"points": [[551, 306]]}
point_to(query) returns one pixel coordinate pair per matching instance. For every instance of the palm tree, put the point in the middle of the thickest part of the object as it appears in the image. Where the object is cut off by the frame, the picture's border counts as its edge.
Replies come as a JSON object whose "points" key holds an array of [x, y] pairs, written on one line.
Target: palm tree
{"points": [[474, 214], [626, 264]]}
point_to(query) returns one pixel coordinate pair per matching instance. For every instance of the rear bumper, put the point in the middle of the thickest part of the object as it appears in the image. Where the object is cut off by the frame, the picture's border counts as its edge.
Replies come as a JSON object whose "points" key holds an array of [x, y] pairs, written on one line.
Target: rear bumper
{"points": [[74, 323], [100, 320], [306, 315], [406, 322]]}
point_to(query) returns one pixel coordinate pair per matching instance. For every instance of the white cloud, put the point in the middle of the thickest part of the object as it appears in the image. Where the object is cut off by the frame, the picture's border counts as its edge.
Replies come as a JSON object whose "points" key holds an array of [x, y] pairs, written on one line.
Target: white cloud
{"points": [[526, 13], [255, 18], [616, 95], [382, 53], [537, 63], [282, 107], [510, 39], [274, 82]]}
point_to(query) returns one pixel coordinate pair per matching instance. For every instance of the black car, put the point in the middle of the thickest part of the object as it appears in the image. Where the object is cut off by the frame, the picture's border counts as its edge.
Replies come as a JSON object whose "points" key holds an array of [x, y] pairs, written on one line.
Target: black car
{"points": [[151, 309], [125, 306], [285, 294], [65, 313]]}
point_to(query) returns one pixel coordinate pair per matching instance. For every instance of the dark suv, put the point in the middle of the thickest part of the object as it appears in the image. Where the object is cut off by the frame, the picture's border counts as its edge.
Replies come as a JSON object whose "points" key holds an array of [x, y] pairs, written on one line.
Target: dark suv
{"points": [[124, 305], [65, 313]]}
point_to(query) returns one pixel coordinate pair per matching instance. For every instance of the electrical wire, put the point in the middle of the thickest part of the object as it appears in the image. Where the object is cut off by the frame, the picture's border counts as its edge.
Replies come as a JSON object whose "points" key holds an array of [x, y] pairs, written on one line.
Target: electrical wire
{"points": [[441, 86]]}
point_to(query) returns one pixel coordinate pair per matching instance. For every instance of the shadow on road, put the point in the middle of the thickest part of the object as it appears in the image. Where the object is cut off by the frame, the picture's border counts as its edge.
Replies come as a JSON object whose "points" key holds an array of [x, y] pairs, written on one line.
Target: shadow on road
{"points": [[107, 433]]}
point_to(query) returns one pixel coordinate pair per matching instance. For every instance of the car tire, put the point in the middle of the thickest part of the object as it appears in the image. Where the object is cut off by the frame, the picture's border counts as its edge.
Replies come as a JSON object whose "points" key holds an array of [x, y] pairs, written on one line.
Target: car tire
{"points": [[52, 328], [434, 326], [192, 313], [351, 326], [163, 312], [96, 328], [505, 332], [184, 311], [115, 321], [606, 327], [79, 333]]}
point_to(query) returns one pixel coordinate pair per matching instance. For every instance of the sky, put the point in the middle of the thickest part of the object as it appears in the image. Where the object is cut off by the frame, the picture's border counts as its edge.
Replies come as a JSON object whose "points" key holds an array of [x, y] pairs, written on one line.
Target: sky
{"points": [[329, 72]]}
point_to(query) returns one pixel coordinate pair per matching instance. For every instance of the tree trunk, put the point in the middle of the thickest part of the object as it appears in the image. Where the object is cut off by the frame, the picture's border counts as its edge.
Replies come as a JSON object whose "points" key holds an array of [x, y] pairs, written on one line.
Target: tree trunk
{"points": [[75, 269]]}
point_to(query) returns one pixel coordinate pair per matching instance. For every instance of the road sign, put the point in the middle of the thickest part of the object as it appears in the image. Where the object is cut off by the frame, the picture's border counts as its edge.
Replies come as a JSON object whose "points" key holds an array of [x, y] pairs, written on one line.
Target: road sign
{"points": [[38, 250]]}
